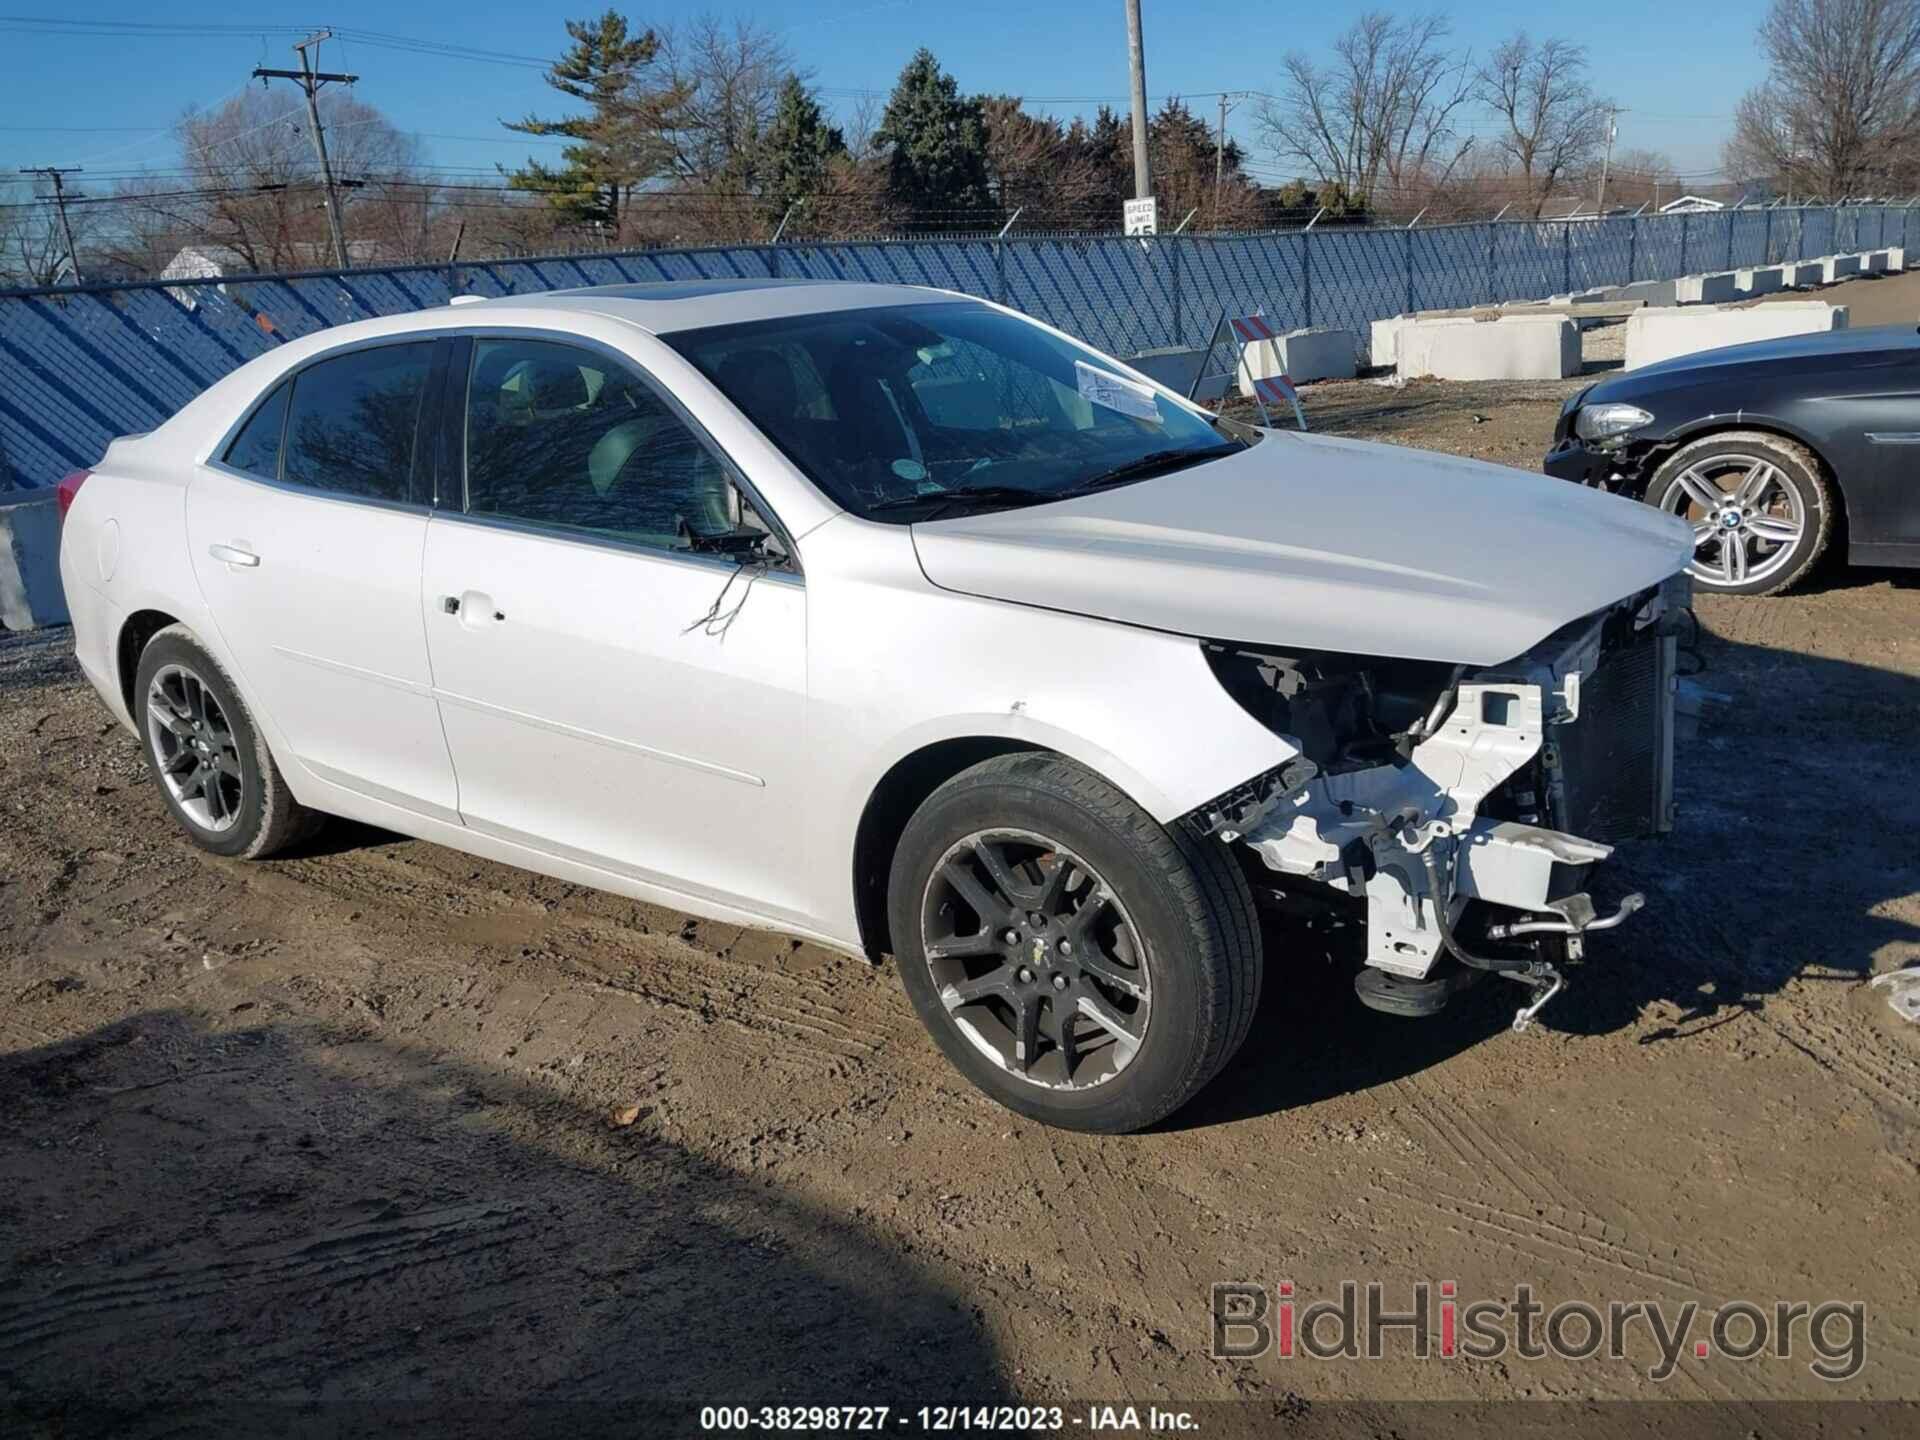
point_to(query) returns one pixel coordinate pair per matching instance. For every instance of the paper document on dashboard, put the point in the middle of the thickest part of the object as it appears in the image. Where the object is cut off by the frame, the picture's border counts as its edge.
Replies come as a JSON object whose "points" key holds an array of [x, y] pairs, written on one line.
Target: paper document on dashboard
{"points": [[1115, 392]]}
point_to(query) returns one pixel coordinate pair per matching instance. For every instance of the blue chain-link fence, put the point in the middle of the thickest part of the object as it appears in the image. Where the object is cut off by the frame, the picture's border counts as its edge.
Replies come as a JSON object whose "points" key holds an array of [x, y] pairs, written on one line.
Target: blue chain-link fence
{"points": [[82, 364]]}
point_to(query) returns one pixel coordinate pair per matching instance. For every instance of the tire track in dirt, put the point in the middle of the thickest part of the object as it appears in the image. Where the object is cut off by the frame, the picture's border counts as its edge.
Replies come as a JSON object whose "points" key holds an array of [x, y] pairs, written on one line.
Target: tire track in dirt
{"points": [[354, 1255]]}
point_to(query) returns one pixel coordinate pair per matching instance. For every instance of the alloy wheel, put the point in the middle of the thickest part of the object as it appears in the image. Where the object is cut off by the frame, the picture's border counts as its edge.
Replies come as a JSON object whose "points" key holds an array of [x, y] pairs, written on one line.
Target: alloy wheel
{"points": [[194, 749], [1035, 959], [1747, 519]]}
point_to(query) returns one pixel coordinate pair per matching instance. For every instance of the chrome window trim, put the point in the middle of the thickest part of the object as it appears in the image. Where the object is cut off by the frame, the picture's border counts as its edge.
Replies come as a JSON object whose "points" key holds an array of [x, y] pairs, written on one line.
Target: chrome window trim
{"points": [[680, 412], [534, 530], [307, 492]]}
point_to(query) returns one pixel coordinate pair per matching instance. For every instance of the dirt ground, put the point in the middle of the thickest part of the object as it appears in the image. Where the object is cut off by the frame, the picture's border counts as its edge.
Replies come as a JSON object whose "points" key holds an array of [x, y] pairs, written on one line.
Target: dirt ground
{"points": [[383, 1125]]}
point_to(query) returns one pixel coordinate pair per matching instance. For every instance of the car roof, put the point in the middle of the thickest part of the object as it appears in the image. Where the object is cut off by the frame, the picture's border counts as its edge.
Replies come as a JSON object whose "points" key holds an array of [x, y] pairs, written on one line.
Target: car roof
{"points": [[669, 305]]}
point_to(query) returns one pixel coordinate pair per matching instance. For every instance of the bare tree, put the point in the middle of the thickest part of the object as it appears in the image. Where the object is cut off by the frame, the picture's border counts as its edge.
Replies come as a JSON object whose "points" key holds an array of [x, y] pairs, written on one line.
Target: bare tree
{"points": [[1552, 124], [1379, 114], [1642, 177], [1839, 112], [1034, 167], [729, 74], [33, 247], [254, 190]]}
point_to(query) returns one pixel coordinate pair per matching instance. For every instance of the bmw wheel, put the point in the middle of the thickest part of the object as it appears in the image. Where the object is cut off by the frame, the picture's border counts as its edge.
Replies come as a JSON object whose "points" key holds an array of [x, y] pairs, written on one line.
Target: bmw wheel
{"points": [[208, 759], [1076, 960], [1759, 507]]}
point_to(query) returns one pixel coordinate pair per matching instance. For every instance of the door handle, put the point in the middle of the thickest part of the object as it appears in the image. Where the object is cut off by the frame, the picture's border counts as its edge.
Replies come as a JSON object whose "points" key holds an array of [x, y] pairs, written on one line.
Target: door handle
{"points": [[472, 608], [233, 555]]}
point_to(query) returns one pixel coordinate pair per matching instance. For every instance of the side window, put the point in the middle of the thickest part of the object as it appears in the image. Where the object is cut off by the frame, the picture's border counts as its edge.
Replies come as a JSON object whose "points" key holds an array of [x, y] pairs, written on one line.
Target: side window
{"points": [[352, 421], [256, 449], [562, 436]]}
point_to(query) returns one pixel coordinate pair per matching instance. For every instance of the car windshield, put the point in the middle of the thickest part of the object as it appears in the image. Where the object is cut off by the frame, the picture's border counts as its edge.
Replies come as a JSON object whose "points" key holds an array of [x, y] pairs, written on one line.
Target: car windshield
{"points": [[910, 412]]}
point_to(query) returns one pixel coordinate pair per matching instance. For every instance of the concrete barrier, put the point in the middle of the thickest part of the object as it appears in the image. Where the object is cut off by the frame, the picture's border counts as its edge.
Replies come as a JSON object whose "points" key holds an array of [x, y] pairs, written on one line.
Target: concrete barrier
{"points": [[1301, 355], [1805, 275], [30, 591], [1875, 262], [1383, 340], [1838, 267], [1653, 292], [1655, 335], [1761, 280], [1513, 347], [1178, 368], [1705, 289]]}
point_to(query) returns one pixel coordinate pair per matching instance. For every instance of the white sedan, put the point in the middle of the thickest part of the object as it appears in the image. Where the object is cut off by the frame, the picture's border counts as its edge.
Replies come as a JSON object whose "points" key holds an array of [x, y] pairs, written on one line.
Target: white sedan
{"points": [[895, 620]]}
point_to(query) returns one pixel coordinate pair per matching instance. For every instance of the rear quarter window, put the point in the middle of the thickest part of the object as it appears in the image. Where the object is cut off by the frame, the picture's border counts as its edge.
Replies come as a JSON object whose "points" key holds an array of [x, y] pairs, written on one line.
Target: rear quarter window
{"points": [[256, 449]]}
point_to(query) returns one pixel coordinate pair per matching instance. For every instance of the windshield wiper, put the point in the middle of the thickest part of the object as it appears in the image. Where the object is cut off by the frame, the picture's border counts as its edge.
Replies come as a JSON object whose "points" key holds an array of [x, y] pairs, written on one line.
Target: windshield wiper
{"points": [[943, 502], [1155, 462]]}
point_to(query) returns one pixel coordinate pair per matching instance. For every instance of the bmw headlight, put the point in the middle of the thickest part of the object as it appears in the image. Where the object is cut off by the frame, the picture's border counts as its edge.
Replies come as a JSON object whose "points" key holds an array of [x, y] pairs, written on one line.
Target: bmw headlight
{"points": [[1609, 422]]}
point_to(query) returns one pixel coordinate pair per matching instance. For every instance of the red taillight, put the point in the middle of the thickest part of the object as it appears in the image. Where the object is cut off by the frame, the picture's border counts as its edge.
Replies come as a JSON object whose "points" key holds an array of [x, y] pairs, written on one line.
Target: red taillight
{"points": [[69, 487]]}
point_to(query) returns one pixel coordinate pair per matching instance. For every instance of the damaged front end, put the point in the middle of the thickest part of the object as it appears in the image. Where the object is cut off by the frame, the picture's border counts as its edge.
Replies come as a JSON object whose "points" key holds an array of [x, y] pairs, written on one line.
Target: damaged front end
{"points": [[1462, 808]]}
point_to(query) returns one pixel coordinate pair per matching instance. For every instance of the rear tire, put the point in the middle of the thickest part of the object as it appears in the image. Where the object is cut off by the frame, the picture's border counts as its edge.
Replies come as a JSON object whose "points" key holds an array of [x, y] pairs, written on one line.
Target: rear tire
{"points": [[209, 762], [1136, 946], [1758, 543]]}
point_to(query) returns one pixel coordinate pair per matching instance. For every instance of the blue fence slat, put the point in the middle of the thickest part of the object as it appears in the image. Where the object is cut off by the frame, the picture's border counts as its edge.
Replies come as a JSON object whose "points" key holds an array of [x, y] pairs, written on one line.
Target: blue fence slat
{"points": [[82, 364]]}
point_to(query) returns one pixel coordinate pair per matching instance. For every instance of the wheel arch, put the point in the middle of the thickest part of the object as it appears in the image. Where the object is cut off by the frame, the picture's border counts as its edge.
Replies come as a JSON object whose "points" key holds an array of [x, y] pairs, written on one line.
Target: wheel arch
{"points": [[136, 631], [902, 790]]}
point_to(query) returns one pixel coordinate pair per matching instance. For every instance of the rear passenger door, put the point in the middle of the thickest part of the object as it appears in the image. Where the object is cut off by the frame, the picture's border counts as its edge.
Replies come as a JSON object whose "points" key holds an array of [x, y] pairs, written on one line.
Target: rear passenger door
{"points": [[306, 534], [618, 684]]}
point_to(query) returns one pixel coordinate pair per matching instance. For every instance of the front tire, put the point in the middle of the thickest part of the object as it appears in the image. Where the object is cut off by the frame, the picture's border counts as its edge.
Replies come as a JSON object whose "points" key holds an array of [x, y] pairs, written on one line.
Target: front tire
{"points": [[1759, 506], [1077, 961], [209, 762]]}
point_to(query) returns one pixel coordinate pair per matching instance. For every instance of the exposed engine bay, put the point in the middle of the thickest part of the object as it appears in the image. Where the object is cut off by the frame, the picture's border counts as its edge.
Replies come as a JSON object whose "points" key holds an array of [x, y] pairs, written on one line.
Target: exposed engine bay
{"points": [[1423, 790]]}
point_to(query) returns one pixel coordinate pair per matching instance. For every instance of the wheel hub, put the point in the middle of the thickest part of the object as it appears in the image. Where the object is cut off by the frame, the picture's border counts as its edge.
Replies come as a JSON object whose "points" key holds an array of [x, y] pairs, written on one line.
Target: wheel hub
{"points": [[1035, 961]]}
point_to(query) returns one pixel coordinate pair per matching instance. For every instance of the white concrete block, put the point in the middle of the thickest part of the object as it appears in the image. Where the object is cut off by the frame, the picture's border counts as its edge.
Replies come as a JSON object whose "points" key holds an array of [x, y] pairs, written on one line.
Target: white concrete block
{"points": [[1178, 368], [1805, 275], [1654, 292], [1838, 267], [1704, 289], [1761, 280], [30, 591], [1874, 262], [1655, 335], [1301, 355], [1383, 340], [1896, 258], [1513, 347]]}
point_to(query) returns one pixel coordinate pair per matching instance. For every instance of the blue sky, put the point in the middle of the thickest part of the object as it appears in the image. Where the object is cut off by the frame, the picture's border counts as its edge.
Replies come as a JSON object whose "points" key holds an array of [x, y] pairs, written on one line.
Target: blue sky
{"points": [[96, 99]]}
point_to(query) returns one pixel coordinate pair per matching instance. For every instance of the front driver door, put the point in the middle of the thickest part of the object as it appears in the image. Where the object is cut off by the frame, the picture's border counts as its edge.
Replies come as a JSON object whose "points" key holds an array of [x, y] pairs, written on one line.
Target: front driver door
{"points": [[614, 689], [307, 534]]}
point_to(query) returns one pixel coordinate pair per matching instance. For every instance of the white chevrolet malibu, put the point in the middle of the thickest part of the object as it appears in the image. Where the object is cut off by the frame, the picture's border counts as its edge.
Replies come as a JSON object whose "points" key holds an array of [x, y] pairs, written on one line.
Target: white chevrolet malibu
{"points": [[895, 620]]}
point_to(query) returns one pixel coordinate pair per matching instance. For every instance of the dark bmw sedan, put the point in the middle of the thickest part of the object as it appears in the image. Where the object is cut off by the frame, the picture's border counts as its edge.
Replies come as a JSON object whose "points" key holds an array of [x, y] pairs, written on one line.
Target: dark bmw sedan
{"points": [[1770, 450]]}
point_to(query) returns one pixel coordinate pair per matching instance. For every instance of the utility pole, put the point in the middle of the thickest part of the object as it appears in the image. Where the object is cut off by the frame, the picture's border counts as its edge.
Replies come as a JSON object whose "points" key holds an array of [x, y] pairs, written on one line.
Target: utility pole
{"points": [[1613, 128], [310, 81], [55, 174], [1136, 56], [1219, 158]]}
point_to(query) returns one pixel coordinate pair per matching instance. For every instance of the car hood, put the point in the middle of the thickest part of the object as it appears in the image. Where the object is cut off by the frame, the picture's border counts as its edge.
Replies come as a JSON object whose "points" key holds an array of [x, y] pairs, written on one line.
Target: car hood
{"points": [[1315, 543], [1806, 355]]}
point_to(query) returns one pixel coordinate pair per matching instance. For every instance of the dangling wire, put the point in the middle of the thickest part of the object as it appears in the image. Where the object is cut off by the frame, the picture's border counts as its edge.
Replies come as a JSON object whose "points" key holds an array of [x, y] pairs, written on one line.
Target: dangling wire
{"points": [[716, 622]]}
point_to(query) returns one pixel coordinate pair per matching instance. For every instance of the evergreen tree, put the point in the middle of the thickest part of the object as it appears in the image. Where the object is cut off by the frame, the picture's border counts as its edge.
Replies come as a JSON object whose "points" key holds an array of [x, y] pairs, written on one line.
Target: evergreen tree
{"points": [[937, 163], [796, 151], [618, 144]]}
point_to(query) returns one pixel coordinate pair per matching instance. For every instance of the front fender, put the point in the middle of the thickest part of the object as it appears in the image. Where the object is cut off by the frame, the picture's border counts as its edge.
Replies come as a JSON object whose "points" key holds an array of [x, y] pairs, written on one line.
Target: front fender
{"points": [[895, 665]]}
